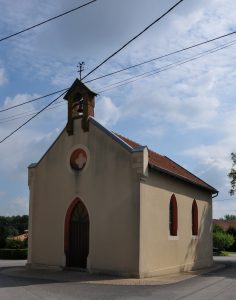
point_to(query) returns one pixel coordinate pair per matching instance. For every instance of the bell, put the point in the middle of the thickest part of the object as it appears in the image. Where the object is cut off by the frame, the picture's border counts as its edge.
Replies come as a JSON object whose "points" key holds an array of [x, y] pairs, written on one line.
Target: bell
{"points": [[80, 109]]}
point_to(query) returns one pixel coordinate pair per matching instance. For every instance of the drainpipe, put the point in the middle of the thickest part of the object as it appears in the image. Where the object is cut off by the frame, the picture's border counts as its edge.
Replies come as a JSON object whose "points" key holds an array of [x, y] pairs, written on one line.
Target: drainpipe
{"points": [[215, 195]]}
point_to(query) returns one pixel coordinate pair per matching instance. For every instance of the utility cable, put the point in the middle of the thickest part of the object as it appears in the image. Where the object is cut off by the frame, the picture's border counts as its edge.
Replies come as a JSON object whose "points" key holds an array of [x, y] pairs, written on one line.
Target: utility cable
{"points": [[23, 115], [30, 119], [164, 68], [137, 77], [46, 21], [130, 41], [32, 100], [127, 68], [162, 56]]}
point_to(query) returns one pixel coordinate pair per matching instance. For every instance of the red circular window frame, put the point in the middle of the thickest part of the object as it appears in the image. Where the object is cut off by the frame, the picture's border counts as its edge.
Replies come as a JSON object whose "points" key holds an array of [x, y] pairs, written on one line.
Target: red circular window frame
{"points": [[75, 154]]}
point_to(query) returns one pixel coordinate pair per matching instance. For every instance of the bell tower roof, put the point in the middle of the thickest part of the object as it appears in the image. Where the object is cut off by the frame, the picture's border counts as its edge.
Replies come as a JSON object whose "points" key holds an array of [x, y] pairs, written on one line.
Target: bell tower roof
{"points": [[78, 87]]}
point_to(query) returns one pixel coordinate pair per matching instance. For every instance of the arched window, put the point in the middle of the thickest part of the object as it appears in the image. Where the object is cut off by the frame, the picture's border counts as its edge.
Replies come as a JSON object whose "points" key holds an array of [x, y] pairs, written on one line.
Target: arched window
{"points": [[194, 218], [173, 216]]}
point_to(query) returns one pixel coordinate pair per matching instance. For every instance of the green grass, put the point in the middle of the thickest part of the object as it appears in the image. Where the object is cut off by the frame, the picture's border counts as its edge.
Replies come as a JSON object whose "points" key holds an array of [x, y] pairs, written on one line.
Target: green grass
{"points": [[228, 252]]}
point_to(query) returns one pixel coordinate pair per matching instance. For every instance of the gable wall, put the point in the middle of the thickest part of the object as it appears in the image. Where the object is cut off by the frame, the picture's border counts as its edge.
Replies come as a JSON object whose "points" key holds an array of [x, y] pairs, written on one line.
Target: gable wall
{"points": [[160, 253], [109, 188]]}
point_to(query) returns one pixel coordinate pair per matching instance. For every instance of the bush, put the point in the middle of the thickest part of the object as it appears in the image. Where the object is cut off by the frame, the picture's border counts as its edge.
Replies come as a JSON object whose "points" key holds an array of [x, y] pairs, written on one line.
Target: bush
{"points": [[15, 244], [13, 253], [222, 240], [232, 231], [217, 228]]}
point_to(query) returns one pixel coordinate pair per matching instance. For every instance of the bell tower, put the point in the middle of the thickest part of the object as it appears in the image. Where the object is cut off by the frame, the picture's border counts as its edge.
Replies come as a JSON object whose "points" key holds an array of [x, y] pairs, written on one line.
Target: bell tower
{"points": [[81, 103]]}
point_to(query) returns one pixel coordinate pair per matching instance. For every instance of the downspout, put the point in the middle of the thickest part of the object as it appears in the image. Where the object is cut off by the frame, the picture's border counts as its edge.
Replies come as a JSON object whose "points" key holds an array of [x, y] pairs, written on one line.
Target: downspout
{"points": [[215, 195]]}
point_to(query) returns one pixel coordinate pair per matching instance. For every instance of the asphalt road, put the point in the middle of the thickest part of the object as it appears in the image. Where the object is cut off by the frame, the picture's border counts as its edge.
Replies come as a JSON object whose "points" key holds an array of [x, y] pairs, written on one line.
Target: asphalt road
{"points": [[218, 285]]}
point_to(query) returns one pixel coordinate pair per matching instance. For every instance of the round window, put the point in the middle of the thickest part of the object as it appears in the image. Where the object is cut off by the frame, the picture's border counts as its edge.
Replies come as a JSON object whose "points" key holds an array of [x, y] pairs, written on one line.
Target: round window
{"points": [[78, 159]]}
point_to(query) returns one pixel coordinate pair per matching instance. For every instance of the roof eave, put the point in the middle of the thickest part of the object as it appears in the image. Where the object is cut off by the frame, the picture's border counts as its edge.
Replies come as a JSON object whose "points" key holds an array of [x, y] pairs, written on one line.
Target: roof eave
{"points": [[210, 188]]}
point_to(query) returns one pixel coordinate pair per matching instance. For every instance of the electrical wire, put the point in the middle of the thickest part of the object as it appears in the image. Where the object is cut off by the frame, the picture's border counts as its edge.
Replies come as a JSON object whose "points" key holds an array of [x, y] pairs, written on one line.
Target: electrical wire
{"points": [[32, 100], [163, 56], [30, 119], [127, 68], [164, 68], [131, 40], [25, 113], [137, 77], [46, 21], [223, 200]]}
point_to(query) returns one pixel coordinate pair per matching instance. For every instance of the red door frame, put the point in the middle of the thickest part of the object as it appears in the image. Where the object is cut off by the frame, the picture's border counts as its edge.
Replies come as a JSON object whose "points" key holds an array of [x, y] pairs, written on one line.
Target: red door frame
{"points": [[69, 213]]}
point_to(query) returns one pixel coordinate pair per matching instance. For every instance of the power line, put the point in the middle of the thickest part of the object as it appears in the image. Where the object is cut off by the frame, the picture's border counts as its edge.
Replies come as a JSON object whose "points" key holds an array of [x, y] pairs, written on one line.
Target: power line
{"points": [[32, 100], [26, 113], [138, 77], [163, 56], [164, 68], [35, 115], [223, 200], [130, 41], [46, 21], [150, 73], [127, 68]]}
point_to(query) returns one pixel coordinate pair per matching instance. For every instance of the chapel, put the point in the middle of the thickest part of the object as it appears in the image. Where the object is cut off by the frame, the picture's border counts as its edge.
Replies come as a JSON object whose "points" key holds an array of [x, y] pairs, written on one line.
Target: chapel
{"points": [[103, 203]]}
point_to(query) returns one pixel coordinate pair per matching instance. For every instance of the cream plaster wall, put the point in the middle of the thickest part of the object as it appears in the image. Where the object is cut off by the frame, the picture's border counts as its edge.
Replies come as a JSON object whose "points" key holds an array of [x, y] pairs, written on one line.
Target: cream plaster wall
{"points": [[129, 219], [160, 253], [109, 188]]}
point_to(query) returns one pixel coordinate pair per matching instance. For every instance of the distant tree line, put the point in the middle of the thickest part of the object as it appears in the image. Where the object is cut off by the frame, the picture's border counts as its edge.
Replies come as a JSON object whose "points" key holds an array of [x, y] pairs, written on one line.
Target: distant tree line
{"points": [[229, 218], [12, 226]]}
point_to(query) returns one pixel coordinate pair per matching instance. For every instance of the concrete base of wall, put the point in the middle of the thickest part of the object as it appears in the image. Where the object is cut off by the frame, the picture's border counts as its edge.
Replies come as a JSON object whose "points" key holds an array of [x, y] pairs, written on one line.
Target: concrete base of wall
{"points": [[43, 267], [197, 265], [177, 269]]}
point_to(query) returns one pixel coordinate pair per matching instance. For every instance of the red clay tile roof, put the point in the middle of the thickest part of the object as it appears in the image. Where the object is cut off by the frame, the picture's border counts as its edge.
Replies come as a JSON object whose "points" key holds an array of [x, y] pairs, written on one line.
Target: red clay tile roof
{"points": [[165, 164], [225, 224]]}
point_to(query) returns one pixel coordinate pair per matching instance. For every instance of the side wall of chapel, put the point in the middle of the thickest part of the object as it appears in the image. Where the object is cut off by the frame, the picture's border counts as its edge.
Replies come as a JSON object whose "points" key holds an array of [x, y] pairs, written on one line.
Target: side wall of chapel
{"points": [[161, 253]]}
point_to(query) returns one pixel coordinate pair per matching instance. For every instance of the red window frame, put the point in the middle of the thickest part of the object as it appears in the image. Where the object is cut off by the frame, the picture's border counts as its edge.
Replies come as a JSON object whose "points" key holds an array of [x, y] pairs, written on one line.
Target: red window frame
{"points": [[173, 216], [194, 218]]}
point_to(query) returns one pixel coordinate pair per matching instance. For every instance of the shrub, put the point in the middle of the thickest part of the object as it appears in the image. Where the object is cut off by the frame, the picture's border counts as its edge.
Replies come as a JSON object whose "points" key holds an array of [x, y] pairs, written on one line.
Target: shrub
{"points": [[232, 231], [15, 244], [222, 240], [13, 253], [217, 228]]}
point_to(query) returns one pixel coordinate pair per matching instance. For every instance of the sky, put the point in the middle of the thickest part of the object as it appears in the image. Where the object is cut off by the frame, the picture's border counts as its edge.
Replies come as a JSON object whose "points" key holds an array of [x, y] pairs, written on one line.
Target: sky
{"points": [[186, 113]]}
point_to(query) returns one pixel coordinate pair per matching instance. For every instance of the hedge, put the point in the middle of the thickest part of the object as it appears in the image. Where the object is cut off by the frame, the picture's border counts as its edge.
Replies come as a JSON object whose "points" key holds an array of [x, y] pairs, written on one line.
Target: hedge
{"points": [[13, 253]]}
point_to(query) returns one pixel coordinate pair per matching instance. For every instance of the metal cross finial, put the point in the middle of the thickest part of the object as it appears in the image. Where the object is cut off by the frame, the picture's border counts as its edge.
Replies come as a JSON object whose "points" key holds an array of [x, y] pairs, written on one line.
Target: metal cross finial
{"points": [[81, 69]]}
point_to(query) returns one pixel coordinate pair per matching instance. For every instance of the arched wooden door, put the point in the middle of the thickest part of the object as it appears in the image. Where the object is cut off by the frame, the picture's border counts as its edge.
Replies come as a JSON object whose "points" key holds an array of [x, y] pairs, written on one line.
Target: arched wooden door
{"points": [[78, 237]]}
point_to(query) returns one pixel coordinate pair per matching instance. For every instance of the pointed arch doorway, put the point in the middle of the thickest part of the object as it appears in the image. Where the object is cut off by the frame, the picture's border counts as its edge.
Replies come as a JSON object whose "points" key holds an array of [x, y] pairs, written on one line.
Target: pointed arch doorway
{"points": [[77, 235]]}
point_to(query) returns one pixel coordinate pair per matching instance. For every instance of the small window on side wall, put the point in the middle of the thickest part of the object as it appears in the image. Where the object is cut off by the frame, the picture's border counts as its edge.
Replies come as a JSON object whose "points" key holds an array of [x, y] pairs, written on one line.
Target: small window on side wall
{"points": [[173, 216], [194, 218]]}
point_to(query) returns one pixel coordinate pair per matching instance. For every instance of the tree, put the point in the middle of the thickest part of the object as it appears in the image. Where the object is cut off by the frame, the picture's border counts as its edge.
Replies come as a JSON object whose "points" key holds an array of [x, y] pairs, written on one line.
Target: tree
{"points": [[232, 175], [12, 226], [222, 240], [232, 231], [230, 217]]}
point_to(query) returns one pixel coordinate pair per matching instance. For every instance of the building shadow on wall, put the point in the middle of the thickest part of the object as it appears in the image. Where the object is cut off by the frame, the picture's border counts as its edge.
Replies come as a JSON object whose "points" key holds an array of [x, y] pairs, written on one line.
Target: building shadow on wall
{"points": [[198, 247]]}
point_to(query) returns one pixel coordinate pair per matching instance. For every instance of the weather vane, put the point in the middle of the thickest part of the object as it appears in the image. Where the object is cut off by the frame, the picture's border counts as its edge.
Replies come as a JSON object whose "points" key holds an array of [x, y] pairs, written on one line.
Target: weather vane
{"points": [[81, 68]]}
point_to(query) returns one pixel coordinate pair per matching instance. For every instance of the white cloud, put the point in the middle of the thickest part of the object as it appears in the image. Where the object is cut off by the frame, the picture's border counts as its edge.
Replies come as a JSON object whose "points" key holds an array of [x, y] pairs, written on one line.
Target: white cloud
{"points": [[188, 110], [3, 77], [106, 111]]}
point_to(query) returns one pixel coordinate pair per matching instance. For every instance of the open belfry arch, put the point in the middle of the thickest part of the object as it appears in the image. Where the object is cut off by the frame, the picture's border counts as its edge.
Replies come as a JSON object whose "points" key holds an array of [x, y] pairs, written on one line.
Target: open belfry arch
{"points": [[106, 204]]}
